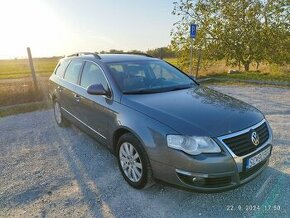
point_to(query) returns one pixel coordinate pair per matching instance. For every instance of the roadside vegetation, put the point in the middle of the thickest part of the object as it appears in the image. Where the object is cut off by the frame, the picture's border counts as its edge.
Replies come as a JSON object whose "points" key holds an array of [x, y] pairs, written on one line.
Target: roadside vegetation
{"points": [[219, 69], [24, 108], [20, 92], [278, 77], [19, 96]]}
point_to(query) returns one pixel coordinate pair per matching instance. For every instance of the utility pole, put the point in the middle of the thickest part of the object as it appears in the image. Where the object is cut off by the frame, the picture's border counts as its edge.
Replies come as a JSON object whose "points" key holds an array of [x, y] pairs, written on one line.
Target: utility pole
{"points": [[198, 63], [32, 69], [192, 35], [190, 63]]}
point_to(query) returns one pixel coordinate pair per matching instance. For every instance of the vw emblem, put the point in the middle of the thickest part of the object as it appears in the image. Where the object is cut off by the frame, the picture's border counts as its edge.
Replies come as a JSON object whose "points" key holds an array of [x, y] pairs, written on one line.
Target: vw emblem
{"points": [[255, 138]]}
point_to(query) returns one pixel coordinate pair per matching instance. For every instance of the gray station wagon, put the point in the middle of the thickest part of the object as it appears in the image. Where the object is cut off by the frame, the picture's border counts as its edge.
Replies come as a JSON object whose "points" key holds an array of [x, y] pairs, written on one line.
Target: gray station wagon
{"points": [[159, 122]]}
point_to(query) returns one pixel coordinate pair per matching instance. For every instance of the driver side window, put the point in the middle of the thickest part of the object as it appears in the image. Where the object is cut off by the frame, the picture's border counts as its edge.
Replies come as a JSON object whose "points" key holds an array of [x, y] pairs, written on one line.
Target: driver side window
{"points": [[92, 74]]}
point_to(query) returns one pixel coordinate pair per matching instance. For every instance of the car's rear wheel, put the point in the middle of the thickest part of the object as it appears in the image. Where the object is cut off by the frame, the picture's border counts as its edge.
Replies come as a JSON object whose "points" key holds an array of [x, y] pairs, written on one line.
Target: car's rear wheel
{"points": [[133, 162], [59, 118]]}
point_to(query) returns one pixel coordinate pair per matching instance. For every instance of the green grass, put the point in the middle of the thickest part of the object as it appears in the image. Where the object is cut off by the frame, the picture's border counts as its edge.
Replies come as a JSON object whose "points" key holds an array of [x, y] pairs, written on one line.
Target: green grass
{"points": [[258, 76], [268, 73], [13, 69]]}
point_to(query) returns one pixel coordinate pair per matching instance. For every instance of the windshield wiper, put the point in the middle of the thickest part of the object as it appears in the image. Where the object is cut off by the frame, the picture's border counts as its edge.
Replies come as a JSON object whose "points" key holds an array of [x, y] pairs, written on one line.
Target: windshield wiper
{"points": [[178, 88], [158, 90], [181, 87], [143, 91]]}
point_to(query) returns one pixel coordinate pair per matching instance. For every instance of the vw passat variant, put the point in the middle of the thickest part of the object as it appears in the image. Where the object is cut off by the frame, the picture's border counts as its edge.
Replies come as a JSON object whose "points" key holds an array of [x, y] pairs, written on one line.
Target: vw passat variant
{"points": [[159, 122]]}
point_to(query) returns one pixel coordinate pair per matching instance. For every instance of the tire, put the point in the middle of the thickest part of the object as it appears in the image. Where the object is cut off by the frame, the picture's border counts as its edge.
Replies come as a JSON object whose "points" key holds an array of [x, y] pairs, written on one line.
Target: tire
{"points": [[133, 162], [59, 118]]}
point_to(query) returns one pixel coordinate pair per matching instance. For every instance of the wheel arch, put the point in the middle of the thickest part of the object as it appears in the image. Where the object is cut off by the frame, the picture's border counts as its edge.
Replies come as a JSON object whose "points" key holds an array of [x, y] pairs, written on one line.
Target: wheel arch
{"points": [[121, 131]]}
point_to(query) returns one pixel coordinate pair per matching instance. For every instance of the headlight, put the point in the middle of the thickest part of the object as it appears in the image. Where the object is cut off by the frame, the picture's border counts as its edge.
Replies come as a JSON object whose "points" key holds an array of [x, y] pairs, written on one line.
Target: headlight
{"points": [[193, 145]]}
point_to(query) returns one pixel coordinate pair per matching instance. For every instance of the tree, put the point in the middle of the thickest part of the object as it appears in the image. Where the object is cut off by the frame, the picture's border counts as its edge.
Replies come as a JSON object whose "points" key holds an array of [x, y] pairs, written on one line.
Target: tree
{"points": [[162, 52], [239, 31], [115, 51]]}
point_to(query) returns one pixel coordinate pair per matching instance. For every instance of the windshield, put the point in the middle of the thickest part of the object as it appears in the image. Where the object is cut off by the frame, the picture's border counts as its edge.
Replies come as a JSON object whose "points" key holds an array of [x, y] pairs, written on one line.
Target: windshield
{"points": [[148, 77]]}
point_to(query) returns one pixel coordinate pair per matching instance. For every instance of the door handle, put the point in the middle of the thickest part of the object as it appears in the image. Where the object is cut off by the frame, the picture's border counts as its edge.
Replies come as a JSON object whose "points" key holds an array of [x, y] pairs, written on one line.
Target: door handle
{"points": [[77, 97], [59, 88]]}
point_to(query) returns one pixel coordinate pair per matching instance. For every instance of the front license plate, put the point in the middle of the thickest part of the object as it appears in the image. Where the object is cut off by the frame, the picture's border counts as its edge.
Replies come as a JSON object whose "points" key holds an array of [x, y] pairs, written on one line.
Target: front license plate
{"points": [[258, 158]]}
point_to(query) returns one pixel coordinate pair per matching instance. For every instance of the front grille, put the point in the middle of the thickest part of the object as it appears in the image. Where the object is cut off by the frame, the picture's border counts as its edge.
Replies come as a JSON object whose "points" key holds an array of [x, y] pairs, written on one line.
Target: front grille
{"points": [[242, 144], [245, 174]]}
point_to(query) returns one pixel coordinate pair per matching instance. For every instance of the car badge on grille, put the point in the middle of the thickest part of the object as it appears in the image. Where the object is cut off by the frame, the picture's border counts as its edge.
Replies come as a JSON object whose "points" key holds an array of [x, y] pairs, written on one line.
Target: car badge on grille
{"points": [[255, 138]]}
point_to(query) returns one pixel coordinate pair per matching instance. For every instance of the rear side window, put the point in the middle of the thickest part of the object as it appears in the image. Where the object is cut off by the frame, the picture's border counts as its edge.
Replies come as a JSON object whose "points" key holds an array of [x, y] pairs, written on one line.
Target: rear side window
{"points": [[73, 70], [61, 68], [92, 74]]}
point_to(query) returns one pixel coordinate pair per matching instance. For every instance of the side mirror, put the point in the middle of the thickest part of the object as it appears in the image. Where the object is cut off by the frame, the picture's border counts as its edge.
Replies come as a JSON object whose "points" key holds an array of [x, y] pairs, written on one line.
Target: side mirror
{"points": [[97, 89]]}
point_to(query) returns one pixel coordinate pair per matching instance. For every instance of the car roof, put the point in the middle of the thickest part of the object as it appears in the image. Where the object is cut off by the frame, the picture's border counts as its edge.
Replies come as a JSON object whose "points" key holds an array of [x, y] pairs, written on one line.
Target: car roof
{"points": [[107, 58]]}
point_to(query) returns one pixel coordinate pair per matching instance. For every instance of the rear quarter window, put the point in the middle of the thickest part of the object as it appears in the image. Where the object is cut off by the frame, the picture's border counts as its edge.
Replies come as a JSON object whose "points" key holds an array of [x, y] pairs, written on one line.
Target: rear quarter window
{"points": [[60, 69]]}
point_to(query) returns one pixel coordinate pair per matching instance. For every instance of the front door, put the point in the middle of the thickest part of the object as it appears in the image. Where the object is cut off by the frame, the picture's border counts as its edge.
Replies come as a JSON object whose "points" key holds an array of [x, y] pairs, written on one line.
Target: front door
{"points": [[93, 110]]}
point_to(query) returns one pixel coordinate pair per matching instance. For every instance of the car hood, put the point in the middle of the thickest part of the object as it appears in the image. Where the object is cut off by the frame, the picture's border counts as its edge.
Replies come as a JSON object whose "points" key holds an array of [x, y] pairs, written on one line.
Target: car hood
{"points": [[196, 111]]}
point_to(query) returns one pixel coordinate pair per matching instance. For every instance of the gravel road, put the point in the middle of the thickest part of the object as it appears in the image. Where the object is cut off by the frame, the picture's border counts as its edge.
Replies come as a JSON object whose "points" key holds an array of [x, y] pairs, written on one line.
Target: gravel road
{"points": [[47, 171]]}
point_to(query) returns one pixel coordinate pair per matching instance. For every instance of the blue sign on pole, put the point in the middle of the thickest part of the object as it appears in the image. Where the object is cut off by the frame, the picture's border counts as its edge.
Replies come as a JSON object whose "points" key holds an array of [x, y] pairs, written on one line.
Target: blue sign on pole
{"points": [[192, 30]]}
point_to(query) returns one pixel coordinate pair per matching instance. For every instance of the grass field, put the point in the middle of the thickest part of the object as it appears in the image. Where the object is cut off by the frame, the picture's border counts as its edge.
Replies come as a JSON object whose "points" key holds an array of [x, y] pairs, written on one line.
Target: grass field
{"points": [[258, 76], [15, 69], [268, 73]]}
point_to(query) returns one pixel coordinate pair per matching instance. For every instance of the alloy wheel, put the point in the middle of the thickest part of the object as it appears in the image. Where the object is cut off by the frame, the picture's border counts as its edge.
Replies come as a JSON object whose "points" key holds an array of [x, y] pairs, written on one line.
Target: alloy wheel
{"points": [[130, 162]]}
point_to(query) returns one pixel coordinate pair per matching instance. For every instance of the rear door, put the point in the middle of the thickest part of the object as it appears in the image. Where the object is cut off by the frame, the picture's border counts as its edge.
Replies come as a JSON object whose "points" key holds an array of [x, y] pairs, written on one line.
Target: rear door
{"points": [[93, 110], [69, 97]]}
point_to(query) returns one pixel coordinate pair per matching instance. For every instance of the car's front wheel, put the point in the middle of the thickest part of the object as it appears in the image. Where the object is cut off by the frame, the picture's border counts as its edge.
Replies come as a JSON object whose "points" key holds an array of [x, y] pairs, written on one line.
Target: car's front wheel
{"points": [[60, 120], [133, 162]]}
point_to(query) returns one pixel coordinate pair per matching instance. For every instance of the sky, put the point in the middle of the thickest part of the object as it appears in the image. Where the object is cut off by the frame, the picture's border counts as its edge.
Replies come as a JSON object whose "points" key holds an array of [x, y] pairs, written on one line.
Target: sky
{"points": [[61, 27]]}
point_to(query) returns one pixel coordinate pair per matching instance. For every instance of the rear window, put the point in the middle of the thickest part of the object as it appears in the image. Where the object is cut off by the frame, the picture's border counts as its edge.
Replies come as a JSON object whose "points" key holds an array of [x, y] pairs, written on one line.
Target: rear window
{"points": [[73, 70], [61, 68]]}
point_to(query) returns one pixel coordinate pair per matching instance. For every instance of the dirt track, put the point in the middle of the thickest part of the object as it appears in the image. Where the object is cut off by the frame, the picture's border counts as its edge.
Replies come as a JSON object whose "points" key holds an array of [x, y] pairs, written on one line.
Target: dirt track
{"points": [[54, 172]]}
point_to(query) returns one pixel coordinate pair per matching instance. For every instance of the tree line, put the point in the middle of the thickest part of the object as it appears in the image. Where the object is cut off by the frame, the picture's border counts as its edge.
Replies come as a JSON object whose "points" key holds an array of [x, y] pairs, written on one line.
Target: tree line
{"points": [[162, 52]]}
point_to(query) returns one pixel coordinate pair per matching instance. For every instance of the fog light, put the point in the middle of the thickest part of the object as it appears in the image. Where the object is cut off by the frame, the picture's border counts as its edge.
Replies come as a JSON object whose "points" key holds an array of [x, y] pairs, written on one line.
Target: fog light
{"points": [[190, 178]]}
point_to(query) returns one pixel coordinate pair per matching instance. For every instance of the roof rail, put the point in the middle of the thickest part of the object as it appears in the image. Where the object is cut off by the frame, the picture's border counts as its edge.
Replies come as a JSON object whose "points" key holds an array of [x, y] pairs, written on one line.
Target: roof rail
{"points": [[85, 53], [138, 53]]}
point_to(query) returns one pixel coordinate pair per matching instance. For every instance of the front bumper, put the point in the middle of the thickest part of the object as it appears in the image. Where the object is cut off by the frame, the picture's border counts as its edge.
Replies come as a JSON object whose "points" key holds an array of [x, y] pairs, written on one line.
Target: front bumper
{"points": [[211, 173], [207, 182]]}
